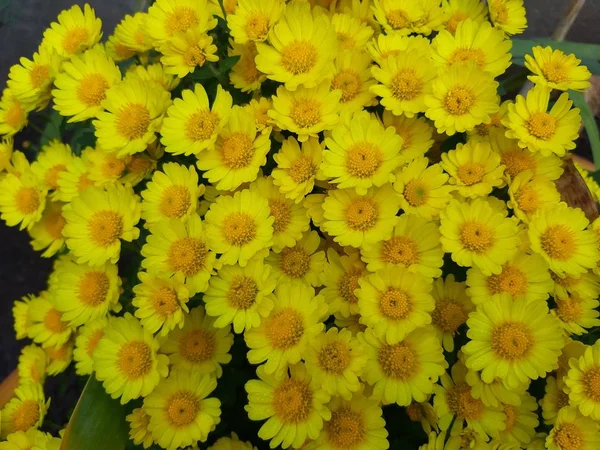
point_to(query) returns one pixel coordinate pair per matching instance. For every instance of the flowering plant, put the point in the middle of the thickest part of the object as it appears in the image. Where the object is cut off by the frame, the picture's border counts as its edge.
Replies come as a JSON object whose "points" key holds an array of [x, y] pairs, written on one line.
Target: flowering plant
{"points": [[317, 225]]}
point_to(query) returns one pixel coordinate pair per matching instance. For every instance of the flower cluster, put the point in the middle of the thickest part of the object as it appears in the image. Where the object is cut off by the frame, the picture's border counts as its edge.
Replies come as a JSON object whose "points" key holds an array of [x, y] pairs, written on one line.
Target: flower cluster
{"points": [[317, 212]]}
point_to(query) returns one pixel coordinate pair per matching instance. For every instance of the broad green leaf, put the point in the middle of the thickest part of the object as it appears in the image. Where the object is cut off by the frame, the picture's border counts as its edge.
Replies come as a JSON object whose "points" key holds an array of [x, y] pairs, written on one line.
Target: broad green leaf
{"points": [[52, 128], [590, 124], [588, 53], [98, 421], [226, 65]]}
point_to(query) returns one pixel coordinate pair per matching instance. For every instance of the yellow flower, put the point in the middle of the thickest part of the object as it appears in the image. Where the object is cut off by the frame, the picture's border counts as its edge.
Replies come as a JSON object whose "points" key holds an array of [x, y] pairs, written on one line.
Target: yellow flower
{"points": [[139, 168], [314, 208], [458, 105], [553, 401], [586, 285], [572, 430], [521, 422], [103, 167], [253, 19], [460, 10], [522, 278], [452, 308], [51, 161], [397, 16], [153, 73], [577, 313], [301, 48], [477, 235], [134, 113], [59, 358], [306, 111], [131, 34], [25, 410], [116, 50], [97, 220], [244, 75], [47, 233], [508, 15], [180, 414], [239, 227], [414, 245], [423, 190], [340, 277], [352, 76], [298, 167], [239, 153], [406, 371], [6, 153], [549, 133], [86, 343], [75, 31], [556, 70], [559, 233], [199, 347], [177, 248], [259, 110], [282, 337], [172, 194], [290, 423], [82, 85], [582, 382], [352, 32], [512, 340], [476, 42], [74, 179], [139, 432], [474, 169], [528, 194], [167, 17], [32, 439], [47, 326], [13, 113], [231, 443], [394, 44], [184, 52], [21, 319], [126, 360], [405, 81], [191, 125], [361, 153], [416, 133], [22, 200], [32, 365]]}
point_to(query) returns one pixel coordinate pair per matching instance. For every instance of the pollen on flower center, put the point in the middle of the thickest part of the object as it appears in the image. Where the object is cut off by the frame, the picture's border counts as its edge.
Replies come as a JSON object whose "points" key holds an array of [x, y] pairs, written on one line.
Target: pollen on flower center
{"points": [[53, 321], [26, 415], [257, 27], [395, 304], [27, 200], [400, 250], [197, 346], [194, 56], [517, 161], [349, 283], [558, 242], [347, 81], [236, 150], [201, 125], [242, 292], [511, 280], [569, 437], [555, 72], [302, 169], [105, 227], [468, 54], [181, 18], [294, 262], [363, 160], [187, 255], [299, 57], [133, 121], [346, 429], [476, 237], [92, 89], [134, 359], [239, 228], [292, 401], [175, 201], [569, 309], [591, 383], [527, 198], [93, 288], [39, 75], [282, 213], [462, 404], [362, 214], [542, 125], [164, 301], [52, 175], [454, 21], [182, 408], [512, 341], [448, 315], [416, 193], [406, 85], [73, 39], [398, 361], [397, 19], [459, 100], [284, 329], [471, 173], [334, 357], [306, 113]]}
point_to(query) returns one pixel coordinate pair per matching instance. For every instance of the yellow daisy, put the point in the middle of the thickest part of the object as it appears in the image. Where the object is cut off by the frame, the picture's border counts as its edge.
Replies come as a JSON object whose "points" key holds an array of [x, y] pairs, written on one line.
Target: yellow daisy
{"points": [[239, 152], [167, 17], [104, 167], [172, 194], [191, 125], [477, 235], [314, 208], [514, 341], [239, 227], [582, 382], [352, 76], [452, 308], [352, 32], [282, 337], [298, 166], [572, 430], [341, 275], [13, 113], [306, 111], [33, 438], [59, 358], [577, 313], [180, 412], [572, 349], [51, 161], [21, 318], [385, 45], [424, 413], [126, 360], [86, 343], [32, 365], [74, 179], [75, 31], [116, 50], [253, 19], [350, 323], [231, 443], [97, 220], [184, 52], [460, 10], [161, 302], [132, 33], [549, 133], [457, 105], [298, 58], [361, 153], [47, 326], [154, 73], [416, 133], [397, 16], [521, 422], [177, 248], [360, 220], [199, 347], [559, 233], [586, 285], [555, 69], [259, 108], [139, 168], [244, 75], [529, 194], [494, 394], [242, 296], [524, 277], [508, 15], [47, 233], [406, 371], [22, 200], [139, 422], [81, 86], [423, 190], [25, 410]]}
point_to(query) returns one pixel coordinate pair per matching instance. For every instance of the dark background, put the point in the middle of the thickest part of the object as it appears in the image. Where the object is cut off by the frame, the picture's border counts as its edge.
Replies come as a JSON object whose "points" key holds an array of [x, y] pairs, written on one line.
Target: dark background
{"points": [[22, 270]]}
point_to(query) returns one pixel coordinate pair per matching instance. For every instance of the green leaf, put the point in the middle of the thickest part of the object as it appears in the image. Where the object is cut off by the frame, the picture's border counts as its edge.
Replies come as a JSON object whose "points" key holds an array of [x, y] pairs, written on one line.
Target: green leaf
{"points": [[52, 128], [227, 64], [590, 124], [97, 422], [588, 53]]}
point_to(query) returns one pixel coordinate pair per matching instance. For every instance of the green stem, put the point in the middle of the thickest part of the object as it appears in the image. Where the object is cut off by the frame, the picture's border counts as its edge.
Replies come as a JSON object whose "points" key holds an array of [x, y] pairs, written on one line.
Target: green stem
{"points": [[36, 128], [223, 9], [218, 75]]}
